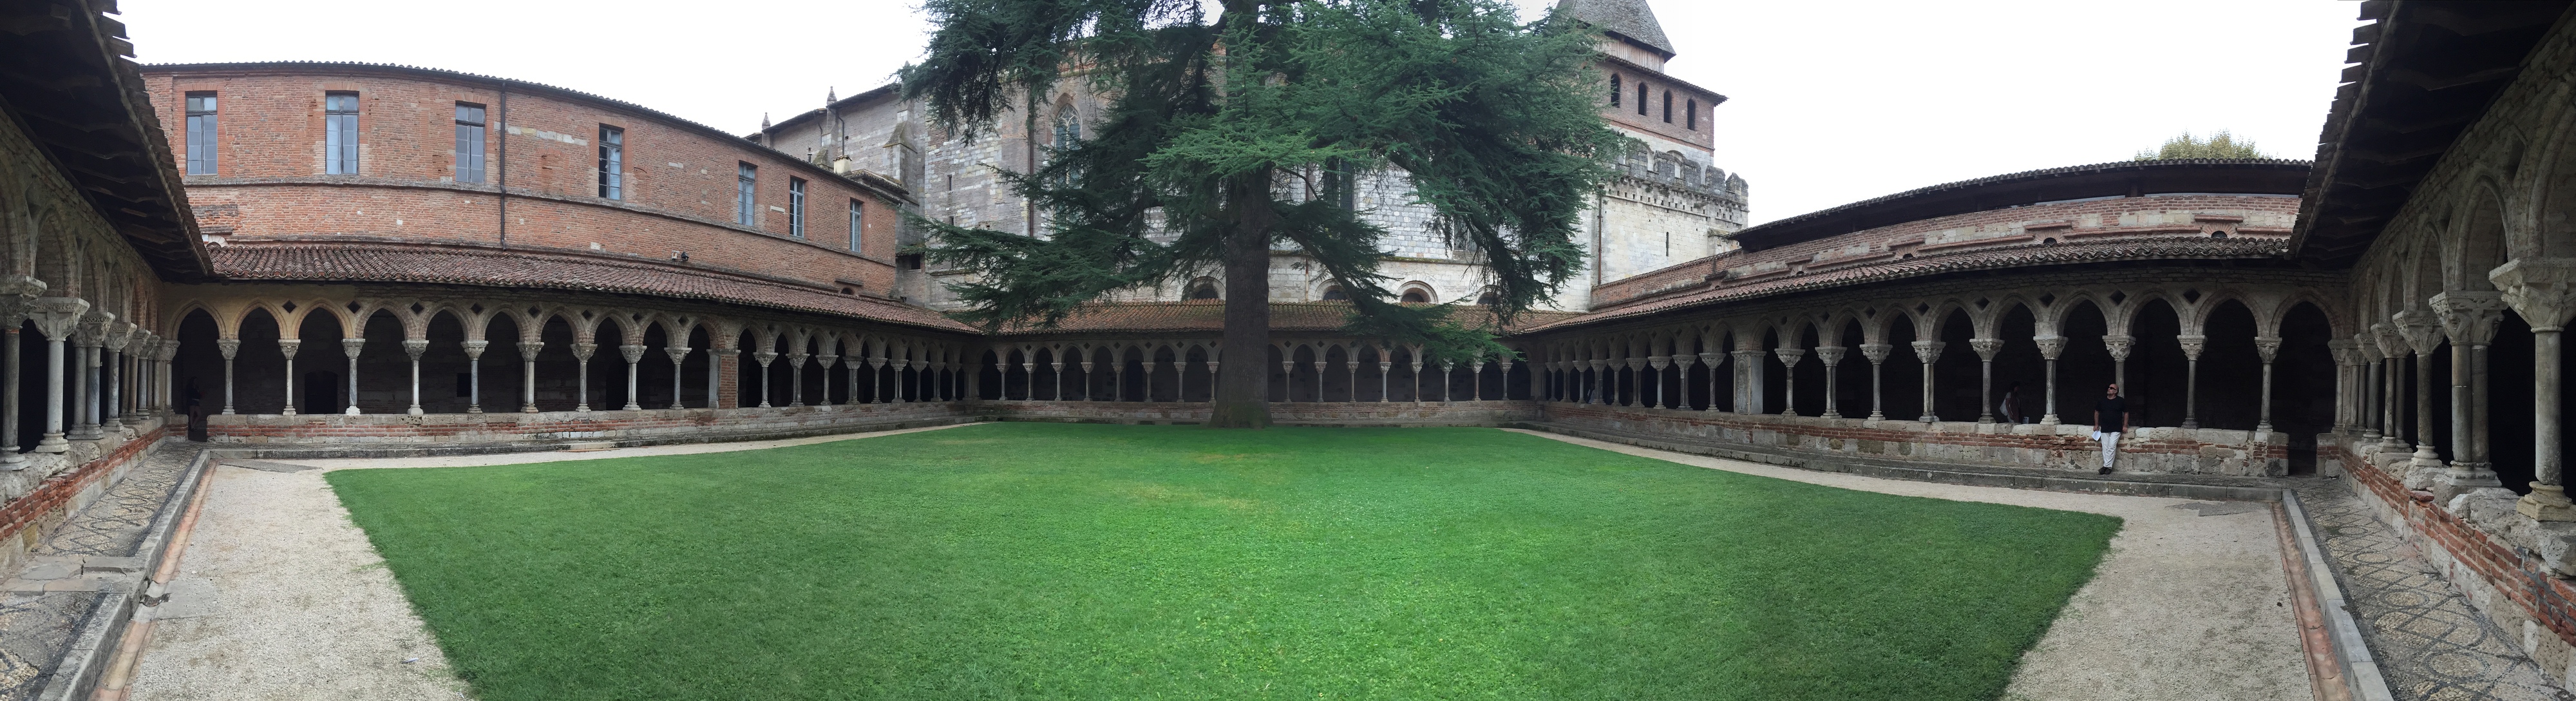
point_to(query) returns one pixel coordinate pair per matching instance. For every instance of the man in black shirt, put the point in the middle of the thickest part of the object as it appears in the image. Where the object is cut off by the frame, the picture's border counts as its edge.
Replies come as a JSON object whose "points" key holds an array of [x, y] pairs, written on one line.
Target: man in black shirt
{"points": [[2110, 417]]}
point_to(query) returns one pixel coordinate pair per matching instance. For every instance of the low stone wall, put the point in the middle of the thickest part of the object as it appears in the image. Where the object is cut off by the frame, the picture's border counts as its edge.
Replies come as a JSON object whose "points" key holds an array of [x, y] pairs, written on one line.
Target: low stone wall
{"points": [[398, 434], [1484, 413], [2512, 569], [2204, 451], [50, 487]]}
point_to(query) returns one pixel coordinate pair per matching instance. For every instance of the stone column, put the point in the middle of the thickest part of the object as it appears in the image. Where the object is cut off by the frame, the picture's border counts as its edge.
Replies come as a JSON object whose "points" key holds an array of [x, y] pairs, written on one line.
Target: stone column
{"points": [[851, 374], [1351, 366], [898, 364], [351, 347], [1832, 357], [1448, 373], [57, 318], [2422, 334], [2543, 292], [85, 340], [2118, 345], [1088, 379], [1287, 372], [111, 372], [414, 347], [10, 459], [581, 353], [1385, 367], [2392, 350], [765, 357], [1715, 362], [1417, 376], [1476, 383], [1682, 363], [2365, 387], [289, 347], [634, 355], [2469, 318], [528, 375], [2269, 347], [2343, 357], [825, 362], [169, 351], [474, 375], [1986, 349], [796, 376], [1055, 365], [2049, 348], [679, 355], [1505, 363], [1658, 363], [1789, 358], [876, 377], [1928, 351], [2192, 345], [1877, 354], [1029, 376]]}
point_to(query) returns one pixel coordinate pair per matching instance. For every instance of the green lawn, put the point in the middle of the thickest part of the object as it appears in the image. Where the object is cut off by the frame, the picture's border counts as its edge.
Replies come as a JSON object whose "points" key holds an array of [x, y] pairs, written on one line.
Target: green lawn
{"points": [[1022, 560]]}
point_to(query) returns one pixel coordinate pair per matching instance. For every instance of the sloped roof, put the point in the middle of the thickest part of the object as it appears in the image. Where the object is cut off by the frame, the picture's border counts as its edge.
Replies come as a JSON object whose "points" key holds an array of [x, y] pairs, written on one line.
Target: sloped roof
{"points": [[2262, 176], [1208, 315], [69, 85], [1629, 19]]}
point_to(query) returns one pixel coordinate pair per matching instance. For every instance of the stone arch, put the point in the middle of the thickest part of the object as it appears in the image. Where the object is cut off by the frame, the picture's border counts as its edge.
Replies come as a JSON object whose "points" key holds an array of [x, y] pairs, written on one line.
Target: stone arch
{"points": [[2479, 245]]}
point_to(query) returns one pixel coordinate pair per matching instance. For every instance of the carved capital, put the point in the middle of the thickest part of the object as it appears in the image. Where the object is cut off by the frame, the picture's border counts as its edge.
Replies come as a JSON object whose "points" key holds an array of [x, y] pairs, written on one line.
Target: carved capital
{"points": [[827, 361], [2469, 317], [18, 295], [2192, 345], [116, 335], [228, 346], [1790, 356], [2542, 290], [57, 317], [414, 347], [1876, 352], [2119, 345], [1659, 362], [582, 350], [1712, 359], [632, 353], [528, 349], [169, 350], [1929, 351], [2421, 331], [2267, 346], [1986, 348], [474, 349], [351, 346], [91, 332], [764, 358], [794, 360], [2050, 346], [1831, 355], [2391, 345], [2344, 352], [287, 346]]}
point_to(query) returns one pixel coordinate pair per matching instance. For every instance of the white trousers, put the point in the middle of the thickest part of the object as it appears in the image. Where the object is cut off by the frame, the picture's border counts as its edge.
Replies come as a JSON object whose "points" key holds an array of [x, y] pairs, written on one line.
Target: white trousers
{"points": [[2110, 447]]}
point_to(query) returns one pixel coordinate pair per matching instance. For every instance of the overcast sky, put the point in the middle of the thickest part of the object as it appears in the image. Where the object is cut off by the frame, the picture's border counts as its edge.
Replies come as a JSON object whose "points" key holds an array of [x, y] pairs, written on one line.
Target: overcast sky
{"points": [[1831, 102]]}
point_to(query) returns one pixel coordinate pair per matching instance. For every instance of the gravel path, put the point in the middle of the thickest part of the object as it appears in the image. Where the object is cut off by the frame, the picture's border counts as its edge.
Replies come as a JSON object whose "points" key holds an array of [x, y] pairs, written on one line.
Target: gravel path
{"points": [[2190, 603]]}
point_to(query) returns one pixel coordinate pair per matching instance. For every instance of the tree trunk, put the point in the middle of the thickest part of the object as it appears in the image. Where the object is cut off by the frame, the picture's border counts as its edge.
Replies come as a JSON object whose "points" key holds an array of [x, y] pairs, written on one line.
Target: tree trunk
{"points": [[1243, 370]]}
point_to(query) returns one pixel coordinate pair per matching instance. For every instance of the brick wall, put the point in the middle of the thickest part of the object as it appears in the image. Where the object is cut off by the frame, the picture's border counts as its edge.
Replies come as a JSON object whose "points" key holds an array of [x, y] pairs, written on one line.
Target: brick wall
{"points": [[678, 179], [24, 521]]}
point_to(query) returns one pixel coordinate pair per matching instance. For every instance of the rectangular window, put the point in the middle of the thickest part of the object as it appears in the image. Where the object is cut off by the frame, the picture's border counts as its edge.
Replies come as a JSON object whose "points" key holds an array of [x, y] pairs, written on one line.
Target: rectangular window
{"points": [[796, 207], [612, 162], [201, 133], [1614, 89], [469, 142], [1690, 113], [340, 133], [1668, 107], [1641, 99], [742, 194], [857, 215]]}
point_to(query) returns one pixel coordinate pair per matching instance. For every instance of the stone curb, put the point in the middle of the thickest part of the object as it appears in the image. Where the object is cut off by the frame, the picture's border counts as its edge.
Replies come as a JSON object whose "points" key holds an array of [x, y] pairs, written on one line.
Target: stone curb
{"points": [[76, 675], [2360, 669]]}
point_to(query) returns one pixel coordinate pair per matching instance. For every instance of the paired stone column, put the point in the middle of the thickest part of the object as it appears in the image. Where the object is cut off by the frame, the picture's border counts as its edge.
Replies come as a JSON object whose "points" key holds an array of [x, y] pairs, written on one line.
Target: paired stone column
{"points": [[796, 375], [287, 347], [679, 356], [1928, 352], [1832, 357], [57, 318], [2392, 350], [528, 375], [1658, 363], [474, 375], [826, 361], [2469, 318], [2543, 292], [634, 355], [2345, 357], [2050, 347], [2192, 345], [413, 347], [2423, 334], [1877, 354], [1986, 349], [766, 356], [1789, 358], [86, 340], [351, 347]]}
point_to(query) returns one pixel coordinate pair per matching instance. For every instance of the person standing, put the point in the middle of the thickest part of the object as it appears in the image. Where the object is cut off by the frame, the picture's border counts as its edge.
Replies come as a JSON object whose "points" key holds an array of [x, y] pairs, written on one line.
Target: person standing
{"points": [[2110, 418], [2011, 406]]}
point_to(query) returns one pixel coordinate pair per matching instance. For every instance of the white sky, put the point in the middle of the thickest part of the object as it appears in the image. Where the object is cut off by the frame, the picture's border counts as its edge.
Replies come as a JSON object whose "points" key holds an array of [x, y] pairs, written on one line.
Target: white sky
{"points": [[1831, 102]]}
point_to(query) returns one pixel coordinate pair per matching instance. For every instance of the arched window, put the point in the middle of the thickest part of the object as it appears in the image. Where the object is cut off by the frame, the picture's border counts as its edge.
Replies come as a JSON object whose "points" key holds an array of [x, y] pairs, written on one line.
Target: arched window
{"points": [[1690, 114], [1488, 299], [1641, 99], [1202, 288], [1417, 293], [1614, 89], [1334, 293], [1668, 107]]}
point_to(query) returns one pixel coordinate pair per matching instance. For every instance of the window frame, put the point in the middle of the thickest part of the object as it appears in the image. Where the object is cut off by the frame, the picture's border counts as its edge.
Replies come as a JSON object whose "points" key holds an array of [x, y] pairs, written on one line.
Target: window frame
{"points": [[1641, 98], [795, 207], [858, 223], [340, 133], [1690, 113], [746, 190], [1615, 89], [202, 157], [468, 164], [1668, 106], [612, 162]]}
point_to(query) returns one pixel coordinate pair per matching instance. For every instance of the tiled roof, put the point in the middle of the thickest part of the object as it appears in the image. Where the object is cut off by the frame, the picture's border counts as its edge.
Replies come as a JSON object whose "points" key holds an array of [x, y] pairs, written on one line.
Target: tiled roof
{"points": [[1990, 258], [306, 261], [1628, 18], [2212, 175], [1208, 315]]}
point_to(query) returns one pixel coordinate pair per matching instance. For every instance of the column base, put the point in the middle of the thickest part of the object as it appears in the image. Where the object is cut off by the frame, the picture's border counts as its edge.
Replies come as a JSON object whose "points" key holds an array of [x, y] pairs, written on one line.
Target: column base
{"points": [[2546, 502], [351, 411], [53, 443], [476, 409], [2048, 420], [529, 409], [2461, 479], [289, 411], [415, 411], [631, 406]]}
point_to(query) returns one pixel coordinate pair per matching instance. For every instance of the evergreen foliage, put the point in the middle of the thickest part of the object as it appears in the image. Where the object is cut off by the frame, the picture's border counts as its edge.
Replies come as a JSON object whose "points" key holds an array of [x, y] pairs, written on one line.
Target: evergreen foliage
{"points": [[2218, 145], [1219, 134]]}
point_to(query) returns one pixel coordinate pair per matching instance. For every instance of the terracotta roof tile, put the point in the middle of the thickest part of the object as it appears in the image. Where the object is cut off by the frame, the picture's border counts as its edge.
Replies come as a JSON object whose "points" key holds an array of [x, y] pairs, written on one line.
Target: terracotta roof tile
{"points": [[520, 268]]}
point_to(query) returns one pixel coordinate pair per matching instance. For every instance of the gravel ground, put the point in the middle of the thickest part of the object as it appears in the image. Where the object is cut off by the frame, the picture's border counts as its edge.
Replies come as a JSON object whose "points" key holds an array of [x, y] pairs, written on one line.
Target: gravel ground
{"points": [[2185, 606]]}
